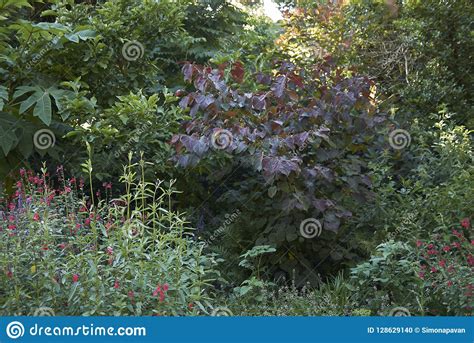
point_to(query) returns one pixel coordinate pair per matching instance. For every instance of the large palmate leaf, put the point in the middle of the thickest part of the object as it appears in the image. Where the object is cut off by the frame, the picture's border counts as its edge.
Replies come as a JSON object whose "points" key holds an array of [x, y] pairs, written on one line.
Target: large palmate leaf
{"points": [[41, 99]]}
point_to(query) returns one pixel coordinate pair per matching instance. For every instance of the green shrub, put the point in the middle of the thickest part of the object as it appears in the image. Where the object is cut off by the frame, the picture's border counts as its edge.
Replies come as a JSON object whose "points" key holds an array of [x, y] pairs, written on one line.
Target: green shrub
{"points": [[132, 255]]}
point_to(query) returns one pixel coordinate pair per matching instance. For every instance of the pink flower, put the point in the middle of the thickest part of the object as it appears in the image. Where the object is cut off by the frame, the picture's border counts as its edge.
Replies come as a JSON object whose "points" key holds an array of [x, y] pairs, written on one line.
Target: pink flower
{"points": [[456, 245], [442, 263], [166, 287], [446, 248], [131, 295], [110, 250], [465, 223], [75, 278], [36, 217], [434, 270], [67, 189], [450, 283], [116, 284], [419, 243], [87, 221], [430, 246]]}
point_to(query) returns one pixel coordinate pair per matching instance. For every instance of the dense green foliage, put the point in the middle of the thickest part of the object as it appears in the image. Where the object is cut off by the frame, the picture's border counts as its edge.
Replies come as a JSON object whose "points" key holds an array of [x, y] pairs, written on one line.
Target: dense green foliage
{"points": [[326, 159]]}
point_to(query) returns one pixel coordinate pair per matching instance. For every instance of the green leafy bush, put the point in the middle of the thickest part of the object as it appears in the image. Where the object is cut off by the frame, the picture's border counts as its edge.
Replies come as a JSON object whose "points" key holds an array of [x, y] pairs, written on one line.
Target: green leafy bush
{"points": [[131, 255]]}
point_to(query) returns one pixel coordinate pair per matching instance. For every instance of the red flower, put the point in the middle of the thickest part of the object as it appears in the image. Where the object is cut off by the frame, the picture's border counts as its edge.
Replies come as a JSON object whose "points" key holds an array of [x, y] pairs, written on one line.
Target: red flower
{"points": [[131, 295], [75, 278], [9, 274], [456, 245], [87, 222], [450, 283], [36, 217], [470, 260], [430, 246], [434, 270], [190, 306], [446, 248], [465, 223], [62, 245], [116, 284], [419, 243], [161, 291], [421, 275], [157, 290], [442, 263]]}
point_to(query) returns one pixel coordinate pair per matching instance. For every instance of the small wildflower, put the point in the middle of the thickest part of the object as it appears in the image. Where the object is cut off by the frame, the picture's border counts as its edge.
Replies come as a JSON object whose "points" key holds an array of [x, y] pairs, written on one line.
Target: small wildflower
{"points": [[75, 278], [36, 217], [465, 223]]}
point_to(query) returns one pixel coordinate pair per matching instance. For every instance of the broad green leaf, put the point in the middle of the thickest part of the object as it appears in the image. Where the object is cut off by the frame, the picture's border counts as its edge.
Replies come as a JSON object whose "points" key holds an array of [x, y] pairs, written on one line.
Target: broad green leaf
{"points": [[23, 90], [72, 37], [43, 109], [3, 93], [86, 34], [7, 139], [25, 105]]}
